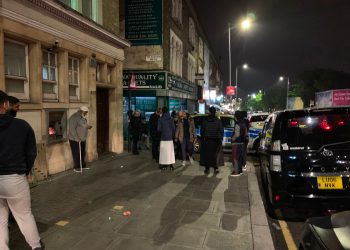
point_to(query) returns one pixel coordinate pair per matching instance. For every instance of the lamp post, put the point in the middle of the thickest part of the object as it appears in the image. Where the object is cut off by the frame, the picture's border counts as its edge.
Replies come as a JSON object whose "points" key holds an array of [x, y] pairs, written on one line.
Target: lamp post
{"points": [[244, 25], [281, 79], [244, 66]]}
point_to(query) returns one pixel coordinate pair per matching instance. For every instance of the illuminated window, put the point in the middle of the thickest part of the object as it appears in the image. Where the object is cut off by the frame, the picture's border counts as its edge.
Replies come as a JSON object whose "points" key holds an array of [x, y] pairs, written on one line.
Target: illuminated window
{"points": [[56, 125]]}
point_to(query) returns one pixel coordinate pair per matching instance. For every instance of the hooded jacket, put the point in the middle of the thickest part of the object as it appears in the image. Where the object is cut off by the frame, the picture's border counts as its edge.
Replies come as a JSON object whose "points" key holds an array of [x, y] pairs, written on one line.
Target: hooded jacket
{"points": [[166, 127], [212, 128], [17, 146]]}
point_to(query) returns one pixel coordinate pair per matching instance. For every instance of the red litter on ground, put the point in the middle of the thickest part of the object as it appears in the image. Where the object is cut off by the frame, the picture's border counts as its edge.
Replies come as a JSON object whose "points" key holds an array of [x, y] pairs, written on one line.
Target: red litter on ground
{"points": [[126, 213]]}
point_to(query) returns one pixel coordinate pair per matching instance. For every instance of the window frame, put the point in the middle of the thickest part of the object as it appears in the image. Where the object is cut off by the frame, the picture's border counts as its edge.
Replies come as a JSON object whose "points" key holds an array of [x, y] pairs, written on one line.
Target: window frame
{"points": [[77, 97], [176, 54], [65, 133], [47, 95], [25, 95]]}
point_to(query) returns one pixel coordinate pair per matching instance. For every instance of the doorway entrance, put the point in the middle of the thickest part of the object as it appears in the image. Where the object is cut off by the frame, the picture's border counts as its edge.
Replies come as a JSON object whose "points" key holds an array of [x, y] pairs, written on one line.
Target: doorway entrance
{"points": [[102, 116]]}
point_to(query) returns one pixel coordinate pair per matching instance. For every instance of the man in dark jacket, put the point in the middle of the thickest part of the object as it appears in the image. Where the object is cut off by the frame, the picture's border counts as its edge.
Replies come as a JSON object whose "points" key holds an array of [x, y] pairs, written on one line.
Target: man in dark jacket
{"points": [[17, 156], [212, 133], [238, 140], [155, 135], [136, 130]]}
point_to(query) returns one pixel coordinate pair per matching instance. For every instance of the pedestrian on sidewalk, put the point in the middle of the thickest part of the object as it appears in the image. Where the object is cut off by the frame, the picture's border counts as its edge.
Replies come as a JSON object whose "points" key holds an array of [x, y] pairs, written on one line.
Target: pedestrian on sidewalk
{"points": [[155, 135], [245, 147], [185, 134], [17, 156], [238, 139], [212, 133], [166, 128], [77, 134], [136, 130]]}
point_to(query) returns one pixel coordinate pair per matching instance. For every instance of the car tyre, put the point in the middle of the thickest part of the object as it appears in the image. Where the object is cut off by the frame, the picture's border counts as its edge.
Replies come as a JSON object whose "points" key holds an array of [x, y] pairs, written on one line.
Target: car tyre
{"points": [[256, 147]]}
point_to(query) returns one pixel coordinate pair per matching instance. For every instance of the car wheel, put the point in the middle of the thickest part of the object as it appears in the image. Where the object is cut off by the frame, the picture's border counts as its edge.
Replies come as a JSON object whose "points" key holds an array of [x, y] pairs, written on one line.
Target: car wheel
{"points": [[196, 146]]}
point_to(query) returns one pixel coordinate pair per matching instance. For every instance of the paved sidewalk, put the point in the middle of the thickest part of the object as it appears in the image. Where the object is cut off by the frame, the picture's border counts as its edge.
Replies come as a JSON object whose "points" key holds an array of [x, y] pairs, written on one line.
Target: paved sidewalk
{"points": [[183, 210]]}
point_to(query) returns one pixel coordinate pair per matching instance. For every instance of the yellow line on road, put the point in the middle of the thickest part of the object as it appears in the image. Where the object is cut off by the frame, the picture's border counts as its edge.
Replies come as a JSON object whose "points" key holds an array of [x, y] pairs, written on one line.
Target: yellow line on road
{"points": [[286, 232]]}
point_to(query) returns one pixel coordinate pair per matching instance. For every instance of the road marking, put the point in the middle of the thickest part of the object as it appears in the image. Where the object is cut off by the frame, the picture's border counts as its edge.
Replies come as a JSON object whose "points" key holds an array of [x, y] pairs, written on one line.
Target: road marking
{"points": [[286, 232]]}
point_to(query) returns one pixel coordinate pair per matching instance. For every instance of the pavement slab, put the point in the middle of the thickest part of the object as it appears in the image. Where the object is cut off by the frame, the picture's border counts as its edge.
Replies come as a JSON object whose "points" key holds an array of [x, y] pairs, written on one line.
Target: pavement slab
{"points": [[184, 209]]}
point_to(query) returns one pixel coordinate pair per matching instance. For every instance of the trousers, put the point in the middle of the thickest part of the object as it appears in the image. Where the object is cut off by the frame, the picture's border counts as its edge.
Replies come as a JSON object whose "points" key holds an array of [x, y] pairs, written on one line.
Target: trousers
{"points": [[15, 195], [74, 146], [237, 156]]}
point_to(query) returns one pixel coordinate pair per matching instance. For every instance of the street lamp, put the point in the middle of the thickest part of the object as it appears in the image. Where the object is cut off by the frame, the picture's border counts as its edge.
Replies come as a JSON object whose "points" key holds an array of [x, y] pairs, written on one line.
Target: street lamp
{"points": [[244, 25], [282, 79], [244, 66]]}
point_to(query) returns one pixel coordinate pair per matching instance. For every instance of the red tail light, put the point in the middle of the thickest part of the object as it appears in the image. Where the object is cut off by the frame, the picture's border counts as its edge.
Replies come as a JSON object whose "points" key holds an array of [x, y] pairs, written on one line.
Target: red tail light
{"points": [[294, 123], [340, 123], [324, 125], [277, 197]]}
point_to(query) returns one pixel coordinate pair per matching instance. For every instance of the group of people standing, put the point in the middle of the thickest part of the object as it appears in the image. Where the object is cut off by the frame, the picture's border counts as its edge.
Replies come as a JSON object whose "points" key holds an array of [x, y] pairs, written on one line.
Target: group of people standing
{"points": [[179, 129]]}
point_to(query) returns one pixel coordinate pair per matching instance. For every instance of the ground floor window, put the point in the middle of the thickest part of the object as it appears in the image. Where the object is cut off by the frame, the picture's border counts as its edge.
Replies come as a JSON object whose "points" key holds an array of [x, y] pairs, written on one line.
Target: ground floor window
{"points": [[178, 104], [56, 125]]}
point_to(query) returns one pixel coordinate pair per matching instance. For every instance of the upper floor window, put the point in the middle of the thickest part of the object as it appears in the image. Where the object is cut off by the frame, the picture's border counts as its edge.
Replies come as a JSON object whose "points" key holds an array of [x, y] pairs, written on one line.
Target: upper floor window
{"points": [[73, 78], [49, 75], [98, 72], [16, 69], [88, 8], [192, 31], [176, 10], [200, 49], [176, 54], [191, 68], [109, 73]]}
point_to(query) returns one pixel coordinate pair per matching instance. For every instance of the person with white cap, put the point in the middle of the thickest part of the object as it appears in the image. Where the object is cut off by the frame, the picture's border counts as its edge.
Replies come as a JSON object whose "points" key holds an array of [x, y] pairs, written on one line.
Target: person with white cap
{"points": [[77, 134]]}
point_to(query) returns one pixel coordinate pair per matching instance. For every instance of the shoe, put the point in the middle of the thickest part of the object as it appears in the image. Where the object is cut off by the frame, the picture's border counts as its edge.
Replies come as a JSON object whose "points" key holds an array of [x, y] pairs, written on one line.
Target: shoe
{"points": [[86, 168], [244, 168], [216, 171], [183, 163], [42, 247], [234, 174], [206, 171], [191, 160], [77, 170]]}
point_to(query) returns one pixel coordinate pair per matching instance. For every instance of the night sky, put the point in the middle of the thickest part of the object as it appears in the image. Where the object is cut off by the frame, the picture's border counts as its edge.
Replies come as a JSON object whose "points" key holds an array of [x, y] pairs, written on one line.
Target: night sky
{"points": [[288, 37]]}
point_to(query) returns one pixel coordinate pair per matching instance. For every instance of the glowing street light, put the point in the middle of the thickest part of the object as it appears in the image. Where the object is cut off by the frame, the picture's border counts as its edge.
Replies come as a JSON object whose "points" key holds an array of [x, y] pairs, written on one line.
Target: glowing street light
{"points": [[282, 79], [246, 24]]}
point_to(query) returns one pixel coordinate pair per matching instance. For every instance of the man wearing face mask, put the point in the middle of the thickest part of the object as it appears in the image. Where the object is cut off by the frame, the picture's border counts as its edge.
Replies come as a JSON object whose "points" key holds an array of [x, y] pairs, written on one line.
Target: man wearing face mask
{"points": [[17, 156], [77, 134], [14, 106]]}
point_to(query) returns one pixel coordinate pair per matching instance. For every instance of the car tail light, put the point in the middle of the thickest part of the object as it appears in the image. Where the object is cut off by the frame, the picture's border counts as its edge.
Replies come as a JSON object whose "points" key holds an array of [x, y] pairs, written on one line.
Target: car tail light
{"points": [[276, 146], [277, 197], [340, 123], [294, 123], [275, 163], [325, 125]]}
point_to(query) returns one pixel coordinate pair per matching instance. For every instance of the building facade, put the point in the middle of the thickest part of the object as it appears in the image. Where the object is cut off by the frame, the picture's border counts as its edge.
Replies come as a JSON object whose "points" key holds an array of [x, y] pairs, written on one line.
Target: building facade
{"points": [[55, 56], [165, 66]]}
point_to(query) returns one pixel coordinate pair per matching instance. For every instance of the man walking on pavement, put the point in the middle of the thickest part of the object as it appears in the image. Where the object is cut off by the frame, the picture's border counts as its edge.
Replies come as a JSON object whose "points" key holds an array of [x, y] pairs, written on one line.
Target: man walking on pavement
{"points": [[185, 134], [155, 135], [238, 139], [136, 130], [77, 135], [17, 156]]}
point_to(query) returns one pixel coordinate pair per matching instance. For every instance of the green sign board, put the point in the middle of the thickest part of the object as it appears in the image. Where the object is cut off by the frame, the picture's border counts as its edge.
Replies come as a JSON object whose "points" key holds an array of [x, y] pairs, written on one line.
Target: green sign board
{"points": [[143, 22], [177, 83], [145, 80]]}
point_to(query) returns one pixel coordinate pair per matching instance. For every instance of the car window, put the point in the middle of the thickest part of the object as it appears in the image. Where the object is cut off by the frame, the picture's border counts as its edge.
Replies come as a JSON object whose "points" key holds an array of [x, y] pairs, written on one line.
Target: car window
{"points": [[227, 122], [258, 118], [316, 129]]}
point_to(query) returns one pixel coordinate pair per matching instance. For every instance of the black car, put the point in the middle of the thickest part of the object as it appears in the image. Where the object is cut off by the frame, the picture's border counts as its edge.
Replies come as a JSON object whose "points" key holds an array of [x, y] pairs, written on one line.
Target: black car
{"points": [[305, 157], [326, 233]]}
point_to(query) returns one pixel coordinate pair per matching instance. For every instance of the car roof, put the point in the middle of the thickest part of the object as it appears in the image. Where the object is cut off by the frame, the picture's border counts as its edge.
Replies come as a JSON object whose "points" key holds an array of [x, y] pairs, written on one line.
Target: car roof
{"points": [[217, 115]]}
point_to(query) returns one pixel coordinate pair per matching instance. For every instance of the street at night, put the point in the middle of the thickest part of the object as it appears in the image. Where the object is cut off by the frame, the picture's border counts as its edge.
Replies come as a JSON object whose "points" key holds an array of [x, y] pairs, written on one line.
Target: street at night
{"points": [[174, 124]]}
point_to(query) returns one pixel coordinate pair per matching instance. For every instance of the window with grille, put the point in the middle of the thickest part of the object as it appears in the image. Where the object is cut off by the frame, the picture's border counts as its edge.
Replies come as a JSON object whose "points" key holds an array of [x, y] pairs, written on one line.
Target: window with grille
{"points": [[49, 75], [73, 78], [16, 69]]}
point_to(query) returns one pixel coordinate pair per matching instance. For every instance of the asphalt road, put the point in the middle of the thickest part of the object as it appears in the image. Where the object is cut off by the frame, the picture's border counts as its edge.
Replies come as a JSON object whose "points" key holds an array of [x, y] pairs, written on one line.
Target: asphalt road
{"points": [[286, 224]]}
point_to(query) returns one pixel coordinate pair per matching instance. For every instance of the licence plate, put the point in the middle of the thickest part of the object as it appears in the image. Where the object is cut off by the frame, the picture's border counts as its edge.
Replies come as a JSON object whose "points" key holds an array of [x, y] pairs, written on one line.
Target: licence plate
{"points": [[329, 182]]}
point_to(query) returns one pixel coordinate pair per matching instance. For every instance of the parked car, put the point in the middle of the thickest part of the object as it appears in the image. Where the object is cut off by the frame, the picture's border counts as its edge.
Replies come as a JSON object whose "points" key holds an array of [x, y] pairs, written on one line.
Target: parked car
{"points": [[305, 157], [326, 233], [228, 123], [256, 124]]}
